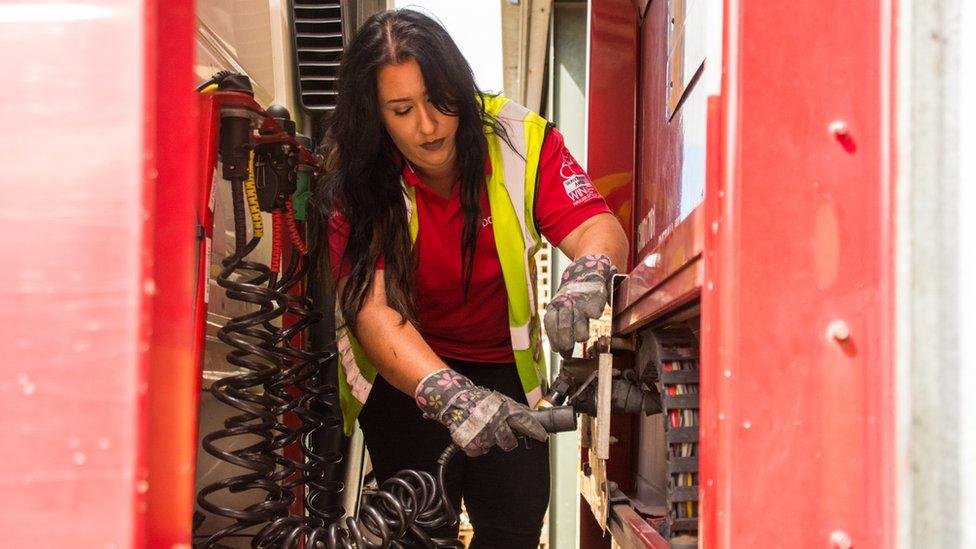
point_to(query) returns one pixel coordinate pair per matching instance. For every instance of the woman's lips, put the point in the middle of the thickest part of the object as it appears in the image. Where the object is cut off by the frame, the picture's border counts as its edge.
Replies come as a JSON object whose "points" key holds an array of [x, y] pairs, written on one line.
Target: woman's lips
{"points": [[433, 145]]}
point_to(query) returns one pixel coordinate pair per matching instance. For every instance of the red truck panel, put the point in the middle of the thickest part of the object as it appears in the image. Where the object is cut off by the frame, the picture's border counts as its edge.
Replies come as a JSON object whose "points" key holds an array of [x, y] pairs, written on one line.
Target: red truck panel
{"points": [[612, 97], [78, 283], [797, 415], [174, 372], [660, 139]]}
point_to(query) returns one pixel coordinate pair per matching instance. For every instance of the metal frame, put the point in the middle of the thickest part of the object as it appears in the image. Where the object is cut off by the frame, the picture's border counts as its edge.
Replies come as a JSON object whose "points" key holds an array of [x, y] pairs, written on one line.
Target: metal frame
{"points": [[665, 279]]}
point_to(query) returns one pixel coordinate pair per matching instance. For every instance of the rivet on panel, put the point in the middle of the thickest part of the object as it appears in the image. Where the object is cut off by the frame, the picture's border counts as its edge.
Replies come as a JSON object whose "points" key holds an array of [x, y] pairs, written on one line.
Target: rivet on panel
{"points": [[839, 128], [839, 330], [842, 133], [840, 540]]}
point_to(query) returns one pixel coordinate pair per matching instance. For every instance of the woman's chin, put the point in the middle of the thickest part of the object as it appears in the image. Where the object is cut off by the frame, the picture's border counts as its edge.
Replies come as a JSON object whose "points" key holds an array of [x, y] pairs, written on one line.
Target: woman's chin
{"points": [[433, 163]]}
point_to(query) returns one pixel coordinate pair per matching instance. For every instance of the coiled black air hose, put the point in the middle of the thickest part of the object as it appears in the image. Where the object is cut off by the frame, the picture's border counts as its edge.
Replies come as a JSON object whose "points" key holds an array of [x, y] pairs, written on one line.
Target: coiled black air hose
{"points": [[252, 352], [302, 370], [409, 504]]}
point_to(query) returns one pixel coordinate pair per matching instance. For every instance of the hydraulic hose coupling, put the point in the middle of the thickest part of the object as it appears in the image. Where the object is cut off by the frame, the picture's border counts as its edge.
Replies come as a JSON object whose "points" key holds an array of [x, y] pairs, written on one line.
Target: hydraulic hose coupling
{"points": [[235, 131], [235, 146], [556, 419]]}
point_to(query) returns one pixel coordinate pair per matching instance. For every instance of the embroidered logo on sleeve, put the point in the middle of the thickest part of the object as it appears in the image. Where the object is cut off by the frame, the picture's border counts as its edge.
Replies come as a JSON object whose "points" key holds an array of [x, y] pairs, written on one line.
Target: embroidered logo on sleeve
{"points": [[575, 181]]}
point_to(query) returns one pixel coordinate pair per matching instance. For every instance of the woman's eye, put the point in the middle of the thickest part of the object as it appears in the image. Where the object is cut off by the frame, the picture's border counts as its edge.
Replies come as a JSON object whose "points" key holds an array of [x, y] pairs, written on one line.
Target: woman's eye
{"points": [[402, 111]]}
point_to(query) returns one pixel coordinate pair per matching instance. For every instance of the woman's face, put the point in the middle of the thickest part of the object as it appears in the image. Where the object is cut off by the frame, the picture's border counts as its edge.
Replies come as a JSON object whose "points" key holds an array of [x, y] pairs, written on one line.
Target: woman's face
{"points": [[423, 134]]}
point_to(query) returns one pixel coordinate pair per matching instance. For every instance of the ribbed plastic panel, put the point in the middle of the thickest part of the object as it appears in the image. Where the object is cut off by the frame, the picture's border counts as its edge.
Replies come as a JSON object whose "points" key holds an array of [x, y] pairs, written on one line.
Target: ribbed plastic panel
{"points": [[317, 28], [674, 352]]}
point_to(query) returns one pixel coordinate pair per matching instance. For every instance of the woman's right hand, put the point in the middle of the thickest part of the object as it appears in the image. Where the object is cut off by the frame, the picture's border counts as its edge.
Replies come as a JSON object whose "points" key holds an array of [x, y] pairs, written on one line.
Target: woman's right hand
{"points": [[477, 418]]}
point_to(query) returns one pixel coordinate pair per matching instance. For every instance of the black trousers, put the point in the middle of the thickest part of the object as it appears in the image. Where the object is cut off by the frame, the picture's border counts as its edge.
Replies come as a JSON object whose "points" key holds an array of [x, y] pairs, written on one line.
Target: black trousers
{"points": [[506, 493]]}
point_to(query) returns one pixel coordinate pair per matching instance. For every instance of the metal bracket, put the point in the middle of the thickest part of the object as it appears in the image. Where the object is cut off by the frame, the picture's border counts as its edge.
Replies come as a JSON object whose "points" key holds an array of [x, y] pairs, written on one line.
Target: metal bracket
{"points": [[596, 431], [603, 390]]}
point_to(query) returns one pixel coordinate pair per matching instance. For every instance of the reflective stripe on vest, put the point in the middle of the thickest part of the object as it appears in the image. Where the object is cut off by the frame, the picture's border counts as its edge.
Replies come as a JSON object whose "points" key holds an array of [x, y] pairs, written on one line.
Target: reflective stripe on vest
{"points": [[511, 198]]}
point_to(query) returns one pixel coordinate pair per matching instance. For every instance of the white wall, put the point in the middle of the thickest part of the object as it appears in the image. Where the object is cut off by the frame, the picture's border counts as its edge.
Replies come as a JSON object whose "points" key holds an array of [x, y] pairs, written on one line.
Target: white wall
{"points": [[936, 250], [967, 274], [476, 26]]}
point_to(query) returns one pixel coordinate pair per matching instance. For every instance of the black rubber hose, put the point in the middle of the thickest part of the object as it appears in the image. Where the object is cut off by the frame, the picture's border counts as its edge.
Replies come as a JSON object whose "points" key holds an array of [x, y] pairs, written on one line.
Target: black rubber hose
{"points": [[252, 353], [302, 371], [407, 505]]}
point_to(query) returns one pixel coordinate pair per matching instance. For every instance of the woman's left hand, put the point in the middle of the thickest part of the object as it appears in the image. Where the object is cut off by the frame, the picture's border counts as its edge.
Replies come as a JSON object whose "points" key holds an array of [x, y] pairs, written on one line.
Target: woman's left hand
{"points": [[582, 296]]}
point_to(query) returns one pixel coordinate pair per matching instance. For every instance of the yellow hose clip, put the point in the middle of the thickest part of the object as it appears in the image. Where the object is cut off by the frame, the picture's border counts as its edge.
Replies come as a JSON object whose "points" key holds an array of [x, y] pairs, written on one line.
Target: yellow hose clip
{"points": [[251, 193]]}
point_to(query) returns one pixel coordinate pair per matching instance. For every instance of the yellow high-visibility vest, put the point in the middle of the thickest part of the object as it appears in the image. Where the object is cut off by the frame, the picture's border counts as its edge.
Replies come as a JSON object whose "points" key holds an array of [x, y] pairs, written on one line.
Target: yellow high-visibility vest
{"points": [[511, 196]]}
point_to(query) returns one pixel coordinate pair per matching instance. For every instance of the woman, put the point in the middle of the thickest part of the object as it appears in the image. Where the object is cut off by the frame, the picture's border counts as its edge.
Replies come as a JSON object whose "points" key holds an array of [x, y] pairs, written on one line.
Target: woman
{"points": [[438, 201]]}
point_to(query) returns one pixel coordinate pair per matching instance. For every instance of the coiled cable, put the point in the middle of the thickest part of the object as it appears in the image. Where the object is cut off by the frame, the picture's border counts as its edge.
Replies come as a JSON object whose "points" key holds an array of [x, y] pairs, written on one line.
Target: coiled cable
{"points": [[308, 376], [252, 353], [407, 505], [299, 389]]}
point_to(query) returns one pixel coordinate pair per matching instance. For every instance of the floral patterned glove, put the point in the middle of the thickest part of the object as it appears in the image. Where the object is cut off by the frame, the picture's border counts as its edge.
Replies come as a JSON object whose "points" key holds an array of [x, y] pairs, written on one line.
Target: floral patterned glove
{"points": [[582, 295], [477, 418]]}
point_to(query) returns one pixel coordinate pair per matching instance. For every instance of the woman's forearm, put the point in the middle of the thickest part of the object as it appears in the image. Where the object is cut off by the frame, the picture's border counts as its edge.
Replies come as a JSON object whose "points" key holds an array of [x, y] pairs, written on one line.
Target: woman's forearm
{"points": [[396, 349], [601, 234]]}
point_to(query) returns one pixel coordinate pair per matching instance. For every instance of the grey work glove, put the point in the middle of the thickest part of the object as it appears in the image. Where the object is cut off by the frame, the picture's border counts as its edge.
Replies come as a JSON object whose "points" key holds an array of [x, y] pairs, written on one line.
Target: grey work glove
{"points": [[582, 295], [476, 417]]}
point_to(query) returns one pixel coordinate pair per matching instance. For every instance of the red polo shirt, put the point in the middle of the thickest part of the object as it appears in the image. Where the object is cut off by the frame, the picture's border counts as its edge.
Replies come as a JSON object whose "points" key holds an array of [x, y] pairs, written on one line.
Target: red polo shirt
{"points": [[477, 329]]}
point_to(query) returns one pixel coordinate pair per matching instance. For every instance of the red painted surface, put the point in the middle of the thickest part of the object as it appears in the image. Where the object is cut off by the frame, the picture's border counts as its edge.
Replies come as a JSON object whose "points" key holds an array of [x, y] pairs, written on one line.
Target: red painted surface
{"points": [[640, 6], [612, 96], [611, 135], [708, 466], [643, 532], [660, 140], [797, 425], [174, 374], [76, 279], [209, 125], [667, 277]]}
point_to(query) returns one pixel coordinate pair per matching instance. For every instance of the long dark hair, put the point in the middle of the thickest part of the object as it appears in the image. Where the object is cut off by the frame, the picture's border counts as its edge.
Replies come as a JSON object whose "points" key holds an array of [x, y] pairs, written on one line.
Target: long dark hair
{"points": [[364, 183]]}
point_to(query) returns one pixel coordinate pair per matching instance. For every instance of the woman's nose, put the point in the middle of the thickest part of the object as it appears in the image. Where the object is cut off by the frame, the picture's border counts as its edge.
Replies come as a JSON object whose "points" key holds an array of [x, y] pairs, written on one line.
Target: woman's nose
{"points": [[428, 124]]}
